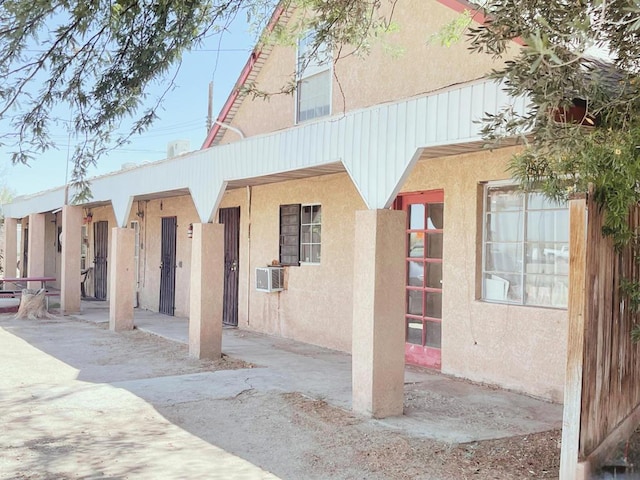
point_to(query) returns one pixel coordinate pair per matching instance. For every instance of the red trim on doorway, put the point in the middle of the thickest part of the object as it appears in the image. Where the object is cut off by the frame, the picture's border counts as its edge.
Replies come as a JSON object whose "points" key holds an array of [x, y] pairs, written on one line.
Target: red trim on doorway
{"points": [[423, 356]]}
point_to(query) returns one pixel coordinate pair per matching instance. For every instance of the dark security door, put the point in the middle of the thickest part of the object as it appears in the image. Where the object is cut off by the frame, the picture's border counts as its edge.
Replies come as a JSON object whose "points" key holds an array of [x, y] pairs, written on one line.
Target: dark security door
{"points": [[25, 256], [230, 217], [168, 266], [100, 248]]}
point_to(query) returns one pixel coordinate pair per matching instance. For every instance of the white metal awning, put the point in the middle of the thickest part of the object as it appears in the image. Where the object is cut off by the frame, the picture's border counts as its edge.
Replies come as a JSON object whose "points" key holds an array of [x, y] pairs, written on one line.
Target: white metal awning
{"points": [[377, 146]]}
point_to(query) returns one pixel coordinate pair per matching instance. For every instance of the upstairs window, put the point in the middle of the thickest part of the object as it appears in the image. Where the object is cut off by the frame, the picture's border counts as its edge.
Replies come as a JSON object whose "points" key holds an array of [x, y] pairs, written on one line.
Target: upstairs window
{"points": [[526, 248], [313, 89]]}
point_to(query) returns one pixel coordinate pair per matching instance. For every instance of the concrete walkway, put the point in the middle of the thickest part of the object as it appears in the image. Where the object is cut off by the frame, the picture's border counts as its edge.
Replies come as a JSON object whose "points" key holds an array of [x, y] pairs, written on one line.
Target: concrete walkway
{"points": [[436, 406], [57, 426]]}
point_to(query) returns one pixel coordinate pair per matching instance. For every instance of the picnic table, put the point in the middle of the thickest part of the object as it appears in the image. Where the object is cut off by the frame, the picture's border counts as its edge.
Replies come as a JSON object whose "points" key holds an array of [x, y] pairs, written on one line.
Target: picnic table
{"points": [[23, 281]]}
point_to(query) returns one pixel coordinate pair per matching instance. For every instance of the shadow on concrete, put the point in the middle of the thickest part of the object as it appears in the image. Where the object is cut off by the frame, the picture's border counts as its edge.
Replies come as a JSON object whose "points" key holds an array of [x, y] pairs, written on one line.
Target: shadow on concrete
{"points": [[256, 412]]}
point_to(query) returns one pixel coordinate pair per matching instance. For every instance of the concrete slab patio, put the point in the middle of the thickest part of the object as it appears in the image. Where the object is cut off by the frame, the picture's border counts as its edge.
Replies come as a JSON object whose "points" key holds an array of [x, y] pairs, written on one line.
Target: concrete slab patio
{"points": [[81, 401], [436, 406], [54, 425]]}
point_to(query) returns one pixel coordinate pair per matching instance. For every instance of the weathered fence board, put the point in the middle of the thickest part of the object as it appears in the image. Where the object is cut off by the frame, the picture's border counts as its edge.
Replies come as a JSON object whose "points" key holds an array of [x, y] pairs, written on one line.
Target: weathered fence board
{"points": [[608, 397]]}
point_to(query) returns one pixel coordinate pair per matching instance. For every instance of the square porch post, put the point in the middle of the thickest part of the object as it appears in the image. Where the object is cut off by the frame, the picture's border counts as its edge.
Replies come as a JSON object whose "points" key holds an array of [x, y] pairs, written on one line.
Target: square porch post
{"points": [[10, 246], [122, 278], [36, 253], [378, 313], [71, 252], [206, 291]]}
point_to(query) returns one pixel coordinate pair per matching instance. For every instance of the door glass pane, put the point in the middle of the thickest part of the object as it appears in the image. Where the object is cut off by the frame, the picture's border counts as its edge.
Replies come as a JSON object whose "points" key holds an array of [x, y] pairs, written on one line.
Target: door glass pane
{"points": [[416, 274], [416, 244], [414, 302], [436, 216], [416, 217], [434, 304], [414, 332], [434, 245], [434, 275], [434, 334]]}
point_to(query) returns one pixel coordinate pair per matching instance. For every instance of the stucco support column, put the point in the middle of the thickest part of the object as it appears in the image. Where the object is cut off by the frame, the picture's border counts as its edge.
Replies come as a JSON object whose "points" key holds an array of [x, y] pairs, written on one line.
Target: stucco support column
{"points": [[10, 253], [206, 291], [70, 271], [36, 253], [122, 276], [378, 313]]}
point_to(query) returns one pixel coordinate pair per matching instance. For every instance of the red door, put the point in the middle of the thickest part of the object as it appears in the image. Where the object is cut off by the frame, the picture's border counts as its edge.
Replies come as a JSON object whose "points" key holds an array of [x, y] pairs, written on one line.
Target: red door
{"points": [[423, 312]]}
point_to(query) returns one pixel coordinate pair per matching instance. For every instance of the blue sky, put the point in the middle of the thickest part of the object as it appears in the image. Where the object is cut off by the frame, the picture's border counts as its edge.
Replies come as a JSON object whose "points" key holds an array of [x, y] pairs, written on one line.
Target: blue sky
{"points": [[182, 117]]}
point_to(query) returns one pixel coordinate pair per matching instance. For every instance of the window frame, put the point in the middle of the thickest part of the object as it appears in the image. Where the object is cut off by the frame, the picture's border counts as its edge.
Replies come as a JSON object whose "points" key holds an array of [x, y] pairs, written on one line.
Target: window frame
{"points": [[525, 211], [306, 73], [295, 260], [299, 261], [311, 243]]}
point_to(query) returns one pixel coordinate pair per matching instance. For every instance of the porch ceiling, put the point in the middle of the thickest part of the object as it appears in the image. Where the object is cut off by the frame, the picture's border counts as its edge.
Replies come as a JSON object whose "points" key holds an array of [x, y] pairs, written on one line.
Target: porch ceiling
{"points": [[461, 148], [328, 169], [157, 195], [377, 146]]}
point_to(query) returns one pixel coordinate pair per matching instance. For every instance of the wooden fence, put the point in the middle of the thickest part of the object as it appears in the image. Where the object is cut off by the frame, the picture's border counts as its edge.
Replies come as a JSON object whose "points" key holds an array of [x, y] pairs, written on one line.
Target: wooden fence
{"points": [[602, 386]]}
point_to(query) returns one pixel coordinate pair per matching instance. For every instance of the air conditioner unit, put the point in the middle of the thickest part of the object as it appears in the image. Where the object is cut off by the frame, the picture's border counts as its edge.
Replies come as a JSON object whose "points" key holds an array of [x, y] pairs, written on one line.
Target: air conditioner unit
{"points": [[177, 147], [270, 279]]}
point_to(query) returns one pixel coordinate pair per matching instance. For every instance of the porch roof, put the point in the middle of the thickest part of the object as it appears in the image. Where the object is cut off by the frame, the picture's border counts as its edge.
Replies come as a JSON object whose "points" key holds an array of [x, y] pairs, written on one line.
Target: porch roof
{"points": [[377, 146]]}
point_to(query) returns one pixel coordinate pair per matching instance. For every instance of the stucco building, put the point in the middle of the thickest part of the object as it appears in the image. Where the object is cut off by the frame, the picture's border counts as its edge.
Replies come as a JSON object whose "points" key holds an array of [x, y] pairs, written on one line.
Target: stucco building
{"points": [[389, 230]]}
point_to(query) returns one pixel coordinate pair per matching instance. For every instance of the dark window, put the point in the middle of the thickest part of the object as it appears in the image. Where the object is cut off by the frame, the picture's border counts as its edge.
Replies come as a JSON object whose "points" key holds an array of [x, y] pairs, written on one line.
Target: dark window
{"points": [[290, 234]]}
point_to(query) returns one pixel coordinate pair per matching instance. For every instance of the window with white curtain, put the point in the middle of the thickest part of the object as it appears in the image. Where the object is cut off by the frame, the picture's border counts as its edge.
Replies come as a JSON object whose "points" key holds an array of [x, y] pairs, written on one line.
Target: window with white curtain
{"points": [[525, 248]]}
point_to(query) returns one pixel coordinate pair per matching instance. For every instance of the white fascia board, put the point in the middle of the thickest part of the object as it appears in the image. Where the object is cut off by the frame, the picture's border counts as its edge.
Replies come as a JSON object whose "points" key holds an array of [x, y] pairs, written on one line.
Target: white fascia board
{"points": [[377, 145]]}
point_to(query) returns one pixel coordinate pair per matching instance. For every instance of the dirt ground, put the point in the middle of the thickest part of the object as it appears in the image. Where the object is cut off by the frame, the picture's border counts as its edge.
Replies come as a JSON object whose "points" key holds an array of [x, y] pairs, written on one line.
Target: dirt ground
{"points": [[531, 456], [285, 433]]}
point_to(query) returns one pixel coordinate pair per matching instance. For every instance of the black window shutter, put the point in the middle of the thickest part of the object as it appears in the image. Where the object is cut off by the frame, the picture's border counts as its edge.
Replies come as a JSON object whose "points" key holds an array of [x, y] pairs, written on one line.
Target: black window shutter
{"points": [[290, 234]]}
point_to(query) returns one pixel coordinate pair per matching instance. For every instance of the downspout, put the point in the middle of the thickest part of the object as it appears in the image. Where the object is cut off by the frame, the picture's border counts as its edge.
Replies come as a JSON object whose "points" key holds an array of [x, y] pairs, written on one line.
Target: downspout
{"points": [[249, 255]]}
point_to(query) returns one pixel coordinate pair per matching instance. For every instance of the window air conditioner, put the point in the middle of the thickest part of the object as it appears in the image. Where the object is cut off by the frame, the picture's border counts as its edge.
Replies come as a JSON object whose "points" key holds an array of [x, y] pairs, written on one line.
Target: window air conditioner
{"points": [[270, 279]]}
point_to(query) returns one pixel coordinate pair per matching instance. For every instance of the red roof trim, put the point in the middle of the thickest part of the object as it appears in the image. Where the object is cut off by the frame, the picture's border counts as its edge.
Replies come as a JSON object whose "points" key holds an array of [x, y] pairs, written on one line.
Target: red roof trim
{"points": [[244, 74], [461, 5], [456, 5], [476, 12]]}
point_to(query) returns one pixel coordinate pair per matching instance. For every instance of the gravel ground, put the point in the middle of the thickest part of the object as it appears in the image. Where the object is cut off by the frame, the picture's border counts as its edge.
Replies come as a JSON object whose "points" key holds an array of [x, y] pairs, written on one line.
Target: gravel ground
{"points": [[285, 433]]}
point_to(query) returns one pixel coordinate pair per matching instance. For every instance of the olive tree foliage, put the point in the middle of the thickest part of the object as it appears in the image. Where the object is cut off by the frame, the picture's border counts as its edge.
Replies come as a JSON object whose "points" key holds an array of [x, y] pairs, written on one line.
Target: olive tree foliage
{"points": [[579, 67], [96, 60], [584, 54]]}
